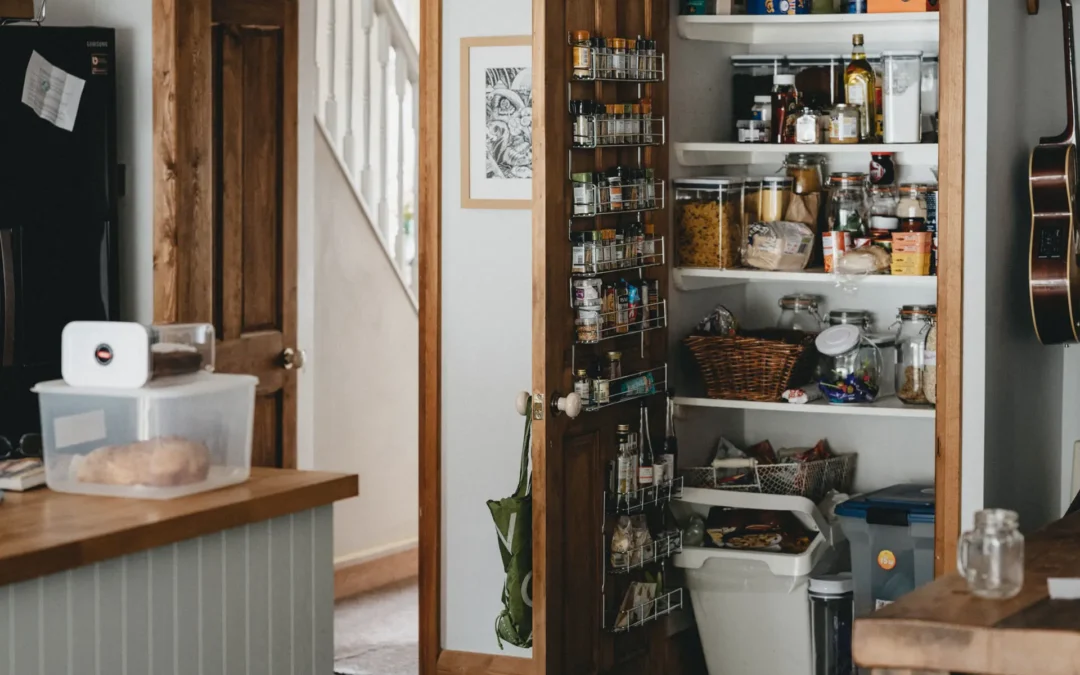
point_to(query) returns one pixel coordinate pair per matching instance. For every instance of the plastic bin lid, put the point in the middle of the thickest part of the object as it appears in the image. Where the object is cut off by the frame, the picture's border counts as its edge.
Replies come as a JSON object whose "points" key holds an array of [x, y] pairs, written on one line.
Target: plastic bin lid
{"points": [[195, 384], [917, 501]]}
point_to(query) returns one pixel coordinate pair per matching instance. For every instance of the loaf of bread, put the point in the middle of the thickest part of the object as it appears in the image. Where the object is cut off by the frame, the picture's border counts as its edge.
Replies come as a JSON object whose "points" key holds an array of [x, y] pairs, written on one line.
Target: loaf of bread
{"points": [[159, 462]]}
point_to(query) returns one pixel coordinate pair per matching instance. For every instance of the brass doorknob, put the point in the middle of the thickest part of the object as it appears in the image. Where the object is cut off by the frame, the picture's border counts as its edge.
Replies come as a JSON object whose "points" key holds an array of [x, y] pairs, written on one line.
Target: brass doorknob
{"points": [[293, 358]]}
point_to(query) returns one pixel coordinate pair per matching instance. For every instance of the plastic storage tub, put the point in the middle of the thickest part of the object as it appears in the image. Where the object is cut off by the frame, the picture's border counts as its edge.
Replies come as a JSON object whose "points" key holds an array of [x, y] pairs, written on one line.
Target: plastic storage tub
{"points": [[171, 438], [892, 543], [753, 608], [709, 217]]}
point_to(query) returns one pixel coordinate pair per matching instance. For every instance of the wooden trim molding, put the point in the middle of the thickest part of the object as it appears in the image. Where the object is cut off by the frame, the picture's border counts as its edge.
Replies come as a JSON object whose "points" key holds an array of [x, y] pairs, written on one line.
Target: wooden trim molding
{"points": [[467, 201], [470, 663], [356, 578], [430, 298], [948, 441]]}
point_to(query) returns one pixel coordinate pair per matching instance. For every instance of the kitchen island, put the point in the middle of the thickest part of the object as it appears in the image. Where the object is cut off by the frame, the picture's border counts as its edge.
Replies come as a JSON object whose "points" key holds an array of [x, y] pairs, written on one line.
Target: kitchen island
{"points": [[231, 581]]}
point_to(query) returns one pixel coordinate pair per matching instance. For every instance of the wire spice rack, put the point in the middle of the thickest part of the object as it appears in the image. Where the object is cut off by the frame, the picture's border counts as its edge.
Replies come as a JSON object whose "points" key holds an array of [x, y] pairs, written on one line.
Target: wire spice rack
{"points": [[659, 549], [591, 258], [591, 200], [621, 323], [645, 613], [627, 388], [605, 66], [627, 504], [618, 130]]}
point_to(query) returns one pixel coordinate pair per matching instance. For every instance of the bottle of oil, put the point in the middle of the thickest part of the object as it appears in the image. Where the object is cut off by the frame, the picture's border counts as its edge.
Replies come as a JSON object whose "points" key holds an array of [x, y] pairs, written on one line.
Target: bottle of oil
{"points": [[860, 89]]}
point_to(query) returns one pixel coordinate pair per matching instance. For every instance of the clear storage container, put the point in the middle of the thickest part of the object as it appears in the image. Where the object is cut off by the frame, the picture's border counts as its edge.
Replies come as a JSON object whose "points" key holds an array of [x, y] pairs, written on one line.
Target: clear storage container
{"points": [[168, 439], [851, 365], [709, 217], [832, 609], [800, 312], [912, 357]]}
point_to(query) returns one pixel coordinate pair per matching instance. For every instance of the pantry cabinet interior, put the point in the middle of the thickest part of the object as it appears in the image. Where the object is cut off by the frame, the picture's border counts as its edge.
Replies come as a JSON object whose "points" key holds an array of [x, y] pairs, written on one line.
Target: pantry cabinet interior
{"points": [[575, 595]]}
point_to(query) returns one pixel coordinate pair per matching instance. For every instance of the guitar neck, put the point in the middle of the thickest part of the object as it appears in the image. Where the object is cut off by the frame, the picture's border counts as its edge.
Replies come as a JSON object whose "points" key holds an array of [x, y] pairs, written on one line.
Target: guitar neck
{"points": [[1069, 135]]}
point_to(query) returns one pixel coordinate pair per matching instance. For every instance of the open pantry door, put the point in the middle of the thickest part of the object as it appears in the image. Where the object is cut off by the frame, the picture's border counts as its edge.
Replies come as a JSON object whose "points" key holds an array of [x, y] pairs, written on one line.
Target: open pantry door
{"points": [[577, 593]]}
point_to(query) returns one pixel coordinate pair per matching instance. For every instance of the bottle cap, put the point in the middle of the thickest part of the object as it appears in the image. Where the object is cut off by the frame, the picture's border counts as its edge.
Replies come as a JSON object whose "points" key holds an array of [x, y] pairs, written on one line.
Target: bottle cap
{"points": [[762, 99], [581, 35]]}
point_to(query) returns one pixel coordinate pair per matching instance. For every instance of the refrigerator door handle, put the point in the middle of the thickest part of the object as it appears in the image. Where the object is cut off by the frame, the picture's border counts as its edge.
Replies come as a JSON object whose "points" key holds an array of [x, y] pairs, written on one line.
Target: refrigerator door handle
{"points": [[7, 268]]}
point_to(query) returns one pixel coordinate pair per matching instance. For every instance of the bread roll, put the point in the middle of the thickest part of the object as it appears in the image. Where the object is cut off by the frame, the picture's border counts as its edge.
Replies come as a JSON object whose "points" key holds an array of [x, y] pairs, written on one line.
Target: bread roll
{"points": [[159, 462]]}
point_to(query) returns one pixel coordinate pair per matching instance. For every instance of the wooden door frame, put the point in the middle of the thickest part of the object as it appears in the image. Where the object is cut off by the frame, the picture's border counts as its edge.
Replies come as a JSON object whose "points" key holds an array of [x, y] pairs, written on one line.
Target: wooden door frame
{"points": [[948, 425]]}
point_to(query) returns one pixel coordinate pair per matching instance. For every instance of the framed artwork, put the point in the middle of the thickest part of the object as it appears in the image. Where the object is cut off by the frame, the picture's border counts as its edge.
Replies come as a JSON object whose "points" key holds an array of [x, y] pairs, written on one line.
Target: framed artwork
{"points": [[496, 122]]}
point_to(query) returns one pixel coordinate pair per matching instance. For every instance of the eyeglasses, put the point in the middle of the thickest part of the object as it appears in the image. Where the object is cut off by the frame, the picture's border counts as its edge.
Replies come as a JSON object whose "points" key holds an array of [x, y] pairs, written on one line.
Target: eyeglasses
{"points": [[29, 447]]}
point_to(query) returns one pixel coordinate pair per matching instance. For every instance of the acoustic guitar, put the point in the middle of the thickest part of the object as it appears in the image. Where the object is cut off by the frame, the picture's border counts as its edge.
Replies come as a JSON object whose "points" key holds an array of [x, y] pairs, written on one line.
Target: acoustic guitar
{"points": [[1053, 274]]}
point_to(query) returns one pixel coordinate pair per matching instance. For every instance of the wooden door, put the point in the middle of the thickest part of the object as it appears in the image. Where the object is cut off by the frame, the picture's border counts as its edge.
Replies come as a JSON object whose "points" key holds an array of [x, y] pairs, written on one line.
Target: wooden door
{"points": [[575, 597], [225, 242]]}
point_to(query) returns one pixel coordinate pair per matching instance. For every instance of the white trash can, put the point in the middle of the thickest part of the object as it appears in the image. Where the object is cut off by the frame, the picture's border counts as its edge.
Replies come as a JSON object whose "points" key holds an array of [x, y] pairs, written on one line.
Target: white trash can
{"points": [[753, 608]]}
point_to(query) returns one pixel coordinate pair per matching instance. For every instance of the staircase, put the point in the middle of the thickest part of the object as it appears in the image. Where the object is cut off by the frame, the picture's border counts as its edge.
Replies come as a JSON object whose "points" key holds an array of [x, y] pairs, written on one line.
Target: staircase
{"points": [[367, 109]]}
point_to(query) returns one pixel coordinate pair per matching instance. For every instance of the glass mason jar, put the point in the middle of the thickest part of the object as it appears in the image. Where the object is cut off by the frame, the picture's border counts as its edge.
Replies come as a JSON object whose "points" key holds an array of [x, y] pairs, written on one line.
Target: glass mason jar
{"points": [[912, 202], [901, 94], [883, 203], [849, 203], [991, 557], [806, 172], [800, 312], [912, 356], [851, 365]]}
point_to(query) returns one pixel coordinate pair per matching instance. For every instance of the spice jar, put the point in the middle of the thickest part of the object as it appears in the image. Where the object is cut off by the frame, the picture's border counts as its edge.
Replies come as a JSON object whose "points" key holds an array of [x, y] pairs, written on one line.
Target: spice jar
{"points": [[633, 66], [584, 194], [806, 172], [849, 203], [883, 203], [582, 55], [912, 202], [614, 365], [588, 324], [619, 58], [584, 131], [709, 218], [647, 136], [808, 127], [583, 385], [774, 198], [615, 189], [603, 193], [911, 352], [799, 312], [851, 365], [587, 293], [601, 58], [844, 124]]}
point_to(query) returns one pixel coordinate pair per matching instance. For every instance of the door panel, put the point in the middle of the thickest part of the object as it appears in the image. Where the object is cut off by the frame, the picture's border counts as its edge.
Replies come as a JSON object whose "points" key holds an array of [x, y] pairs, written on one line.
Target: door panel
{"points": [[234, 263]]}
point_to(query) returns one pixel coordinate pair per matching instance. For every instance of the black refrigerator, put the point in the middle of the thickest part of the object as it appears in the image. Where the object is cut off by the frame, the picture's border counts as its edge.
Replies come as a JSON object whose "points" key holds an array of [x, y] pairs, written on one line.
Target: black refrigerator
{"points": [[58, 204]]}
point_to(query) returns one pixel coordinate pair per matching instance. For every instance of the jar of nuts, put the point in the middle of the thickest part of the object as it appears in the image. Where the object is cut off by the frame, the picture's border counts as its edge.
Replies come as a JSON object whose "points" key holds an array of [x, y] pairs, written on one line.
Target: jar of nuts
{"points": [[916, 362], [709, 218]]}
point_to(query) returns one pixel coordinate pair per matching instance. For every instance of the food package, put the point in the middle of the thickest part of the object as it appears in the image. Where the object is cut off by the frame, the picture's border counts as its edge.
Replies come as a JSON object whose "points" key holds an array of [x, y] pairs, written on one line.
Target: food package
{"points": [[804, 209], [802, 396], [912, 242], [864, 260], [642, 549], [835, 244], [622, 541], [911, 264], [751, 529], [778, 246], [637, 604]]}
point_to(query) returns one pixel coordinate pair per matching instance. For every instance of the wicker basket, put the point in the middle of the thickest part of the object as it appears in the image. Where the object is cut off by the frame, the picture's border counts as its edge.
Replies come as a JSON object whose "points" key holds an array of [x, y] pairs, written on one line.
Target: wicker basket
{"points": [[754, 365], [812, 480]]}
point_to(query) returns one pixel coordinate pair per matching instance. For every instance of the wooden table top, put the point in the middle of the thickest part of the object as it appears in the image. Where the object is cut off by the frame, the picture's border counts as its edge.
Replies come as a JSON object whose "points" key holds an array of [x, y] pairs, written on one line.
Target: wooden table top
{"points": [[43, 532], [942, 627]]}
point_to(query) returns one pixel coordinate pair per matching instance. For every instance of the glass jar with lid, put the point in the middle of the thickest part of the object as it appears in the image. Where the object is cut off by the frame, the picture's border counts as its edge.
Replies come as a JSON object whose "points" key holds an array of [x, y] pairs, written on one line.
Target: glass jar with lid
{"points": [[912, 202], [849, 203], [800, 312], [807, 172], [709, 221], [774, 197], [913, 360], [808, 127], [884, 200], [844, 121], [851, 365], [851, 317]]}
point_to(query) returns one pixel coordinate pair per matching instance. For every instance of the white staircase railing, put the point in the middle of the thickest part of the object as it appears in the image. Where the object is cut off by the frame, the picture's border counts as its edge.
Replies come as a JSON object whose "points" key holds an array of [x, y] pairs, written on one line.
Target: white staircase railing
{"points": [[368, 94]]}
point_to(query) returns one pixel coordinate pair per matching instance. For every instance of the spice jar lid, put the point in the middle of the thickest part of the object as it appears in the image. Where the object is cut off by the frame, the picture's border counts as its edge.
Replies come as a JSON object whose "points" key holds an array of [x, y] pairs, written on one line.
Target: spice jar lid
{"points": [[799, 301], [581, 372], [623, 427], [618, 43], [586, 177], [581, 35], [838, 340], [614, 355]]}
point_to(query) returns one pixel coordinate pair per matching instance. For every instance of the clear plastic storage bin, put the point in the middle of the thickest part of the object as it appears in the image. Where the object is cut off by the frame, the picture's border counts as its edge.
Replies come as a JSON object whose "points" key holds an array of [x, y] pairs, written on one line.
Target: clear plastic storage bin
{"points": [[157, 442], [709, 217]]}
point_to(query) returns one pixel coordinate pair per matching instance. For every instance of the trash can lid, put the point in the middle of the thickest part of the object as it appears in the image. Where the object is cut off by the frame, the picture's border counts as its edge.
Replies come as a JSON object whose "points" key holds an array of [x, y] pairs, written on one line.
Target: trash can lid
{"points": [[916, 501], [832, 584]]}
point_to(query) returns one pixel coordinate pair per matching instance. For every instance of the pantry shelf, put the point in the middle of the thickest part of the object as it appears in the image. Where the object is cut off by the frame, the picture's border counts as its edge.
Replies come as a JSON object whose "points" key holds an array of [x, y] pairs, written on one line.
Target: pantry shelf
{"points": [[889, 406], [696, 279], [914, 30], [730, 154]]}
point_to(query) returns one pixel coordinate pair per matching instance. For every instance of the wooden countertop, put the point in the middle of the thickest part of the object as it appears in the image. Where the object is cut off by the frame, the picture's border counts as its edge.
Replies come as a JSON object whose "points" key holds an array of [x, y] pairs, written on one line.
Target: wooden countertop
{"points": [[43, 532], [942, 627]]}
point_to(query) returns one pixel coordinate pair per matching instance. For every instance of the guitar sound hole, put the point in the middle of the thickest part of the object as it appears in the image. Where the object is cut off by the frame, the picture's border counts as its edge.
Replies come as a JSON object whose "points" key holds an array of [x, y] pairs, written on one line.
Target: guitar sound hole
{"points": [[1051, 244]]}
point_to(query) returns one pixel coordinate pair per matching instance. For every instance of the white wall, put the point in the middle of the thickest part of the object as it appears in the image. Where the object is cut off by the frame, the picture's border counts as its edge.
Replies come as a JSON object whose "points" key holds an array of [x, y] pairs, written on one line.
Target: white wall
{"points": [[367, 340], [486, 352], [134, 57]]}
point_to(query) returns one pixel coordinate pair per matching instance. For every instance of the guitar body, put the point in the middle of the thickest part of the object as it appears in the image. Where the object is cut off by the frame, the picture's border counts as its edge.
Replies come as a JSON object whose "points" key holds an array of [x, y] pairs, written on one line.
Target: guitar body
{"points": [[1054, 274]]}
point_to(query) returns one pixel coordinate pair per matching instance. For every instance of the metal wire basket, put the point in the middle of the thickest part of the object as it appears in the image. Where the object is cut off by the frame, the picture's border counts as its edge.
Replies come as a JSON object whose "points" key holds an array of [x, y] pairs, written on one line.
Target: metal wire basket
{"points": [[812, 480]]}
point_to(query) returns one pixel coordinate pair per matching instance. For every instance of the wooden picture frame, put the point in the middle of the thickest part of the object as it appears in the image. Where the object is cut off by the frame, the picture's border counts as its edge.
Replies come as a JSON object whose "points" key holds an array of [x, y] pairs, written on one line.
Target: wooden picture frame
{"points": [[470, 145]]}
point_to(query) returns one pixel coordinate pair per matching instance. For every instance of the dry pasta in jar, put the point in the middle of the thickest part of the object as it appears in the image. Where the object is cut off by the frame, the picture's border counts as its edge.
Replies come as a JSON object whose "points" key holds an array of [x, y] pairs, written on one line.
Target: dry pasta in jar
{"points": [[709, 218]]}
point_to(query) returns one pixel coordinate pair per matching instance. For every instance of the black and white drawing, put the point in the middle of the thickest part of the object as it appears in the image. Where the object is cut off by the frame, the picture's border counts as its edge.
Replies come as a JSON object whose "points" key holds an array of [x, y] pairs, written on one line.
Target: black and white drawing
{"points": [[508, 139]]}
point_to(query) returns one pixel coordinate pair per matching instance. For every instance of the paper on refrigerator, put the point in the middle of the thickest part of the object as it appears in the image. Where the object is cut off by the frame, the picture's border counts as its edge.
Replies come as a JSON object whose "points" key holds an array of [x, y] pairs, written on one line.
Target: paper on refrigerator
{"points": [[52, 93]]}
